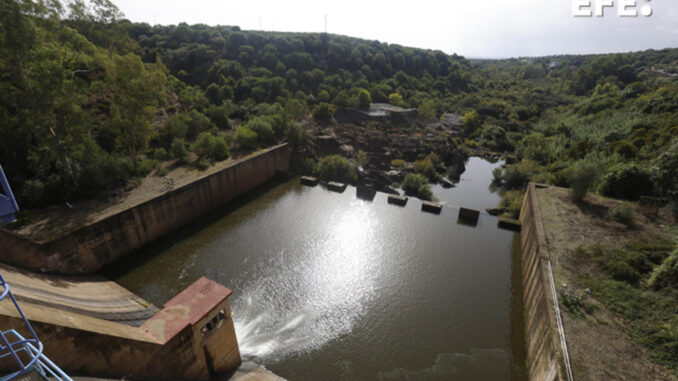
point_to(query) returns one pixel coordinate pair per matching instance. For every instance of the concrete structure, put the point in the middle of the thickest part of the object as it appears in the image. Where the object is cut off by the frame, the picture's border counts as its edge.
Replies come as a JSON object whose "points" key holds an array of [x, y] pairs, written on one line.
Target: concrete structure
{"points": [[431, 207], [336, 187], [469, 215], [88, 248], [92, 296], [365, 193], [546, 347], [190, 338], [508, 224], [397, 200], [310, 181]]}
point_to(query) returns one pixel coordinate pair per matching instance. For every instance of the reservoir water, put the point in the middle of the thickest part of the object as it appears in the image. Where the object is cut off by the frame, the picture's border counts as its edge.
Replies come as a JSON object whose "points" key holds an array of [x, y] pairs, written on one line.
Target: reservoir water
{"points": [[328, 287]]}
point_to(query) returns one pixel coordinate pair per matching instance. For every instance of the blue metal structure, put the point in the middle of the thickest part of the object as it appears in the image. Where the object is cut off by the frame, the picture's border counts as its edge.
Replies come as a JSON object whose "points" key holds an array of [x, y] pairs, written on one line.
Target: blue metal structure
{"points": [[26, 352], [8, 205]]}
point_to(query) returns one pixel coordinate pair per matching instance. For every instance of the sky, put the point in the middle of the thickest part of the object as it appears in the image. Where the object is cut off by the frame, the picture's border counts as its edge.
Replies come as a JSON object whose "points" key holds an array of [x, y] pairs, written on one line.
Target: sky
{"points": [[472, 28]]}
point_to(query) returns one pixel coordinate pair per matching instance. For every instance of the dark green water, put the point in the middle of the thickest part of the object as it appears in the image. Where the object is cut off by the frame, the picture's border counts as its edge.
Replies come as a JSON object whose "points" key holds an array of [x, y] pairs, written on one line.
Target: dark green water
{"points": [[328, 287]]}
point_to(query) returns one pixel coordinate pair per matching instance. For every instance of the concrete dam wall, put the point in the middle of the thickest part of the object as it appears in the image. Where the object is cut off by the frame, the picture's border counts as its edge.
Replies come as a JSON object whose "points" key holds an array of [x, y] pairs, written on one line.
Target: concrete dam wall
{"points": [[546, 348], [89, 248]]}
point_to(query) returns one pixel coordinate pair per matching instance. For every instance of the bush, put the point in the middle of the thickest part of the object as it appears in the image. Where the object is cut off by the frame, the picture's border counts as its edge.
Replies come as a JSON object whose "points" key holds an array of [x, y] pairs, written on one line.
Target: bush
{"points": [[322, 112], [245, 138], [178, 149], [262, 128], [624, 213], [364, 98], [582, 176], [416, 185], [518, 175], [395, 99], [335, 168], [398, 163], [511, 203], [628, 181], [666, 274]]}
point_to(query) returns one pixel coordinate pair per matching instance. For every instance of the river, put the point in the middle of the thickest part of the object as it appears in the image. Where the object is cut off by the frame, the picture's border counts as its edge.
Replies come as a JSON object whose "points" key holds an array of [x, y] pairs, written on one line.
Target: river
{"points": [[329, 287]]}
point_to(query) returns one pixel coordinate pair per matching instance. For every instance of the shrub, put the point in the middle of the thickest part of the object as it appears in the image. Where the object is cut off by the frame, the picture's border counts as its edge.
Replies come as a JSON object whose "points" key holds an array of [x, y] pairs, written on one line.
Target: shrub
{"points": [[511, 203], [245, 138], [322, 112], [416, 185], [262, 128], [395, 99], [666, 274], [364, 98], [335, 168], [178, 149], [203, 145], [624, 213], [628, 181], [398, 163], [160, 154], [582, 176]]}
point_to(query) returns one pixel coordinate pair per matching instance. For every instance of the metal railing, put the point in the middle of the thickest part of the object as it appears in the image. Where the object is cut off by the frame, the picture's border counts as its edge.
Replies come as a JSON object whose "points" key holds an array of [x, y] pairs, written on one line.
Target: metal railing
{"points": [[26, 352]]}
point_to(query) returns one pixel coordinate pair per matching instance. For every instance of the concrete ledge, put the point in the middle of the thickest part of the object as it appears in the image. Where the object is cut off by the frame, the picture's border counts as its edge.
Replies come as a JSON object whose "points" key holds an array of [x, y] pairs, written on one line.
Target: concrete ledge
{"points": [[173, 345], [431, 207], [309, 181], [88, 248], [365, 193], [546, 354], [336, 186], [397, 200]]}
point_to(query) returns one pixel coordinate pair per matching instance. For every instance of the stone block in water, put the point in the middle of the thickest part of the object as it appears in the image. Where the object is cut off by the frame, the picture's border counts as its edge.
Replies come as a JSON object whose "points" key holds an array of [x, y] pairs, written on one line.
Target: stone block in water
{"points": [[336, 187], [397, 199], [365, 193], [431, 207], [310, 181]]}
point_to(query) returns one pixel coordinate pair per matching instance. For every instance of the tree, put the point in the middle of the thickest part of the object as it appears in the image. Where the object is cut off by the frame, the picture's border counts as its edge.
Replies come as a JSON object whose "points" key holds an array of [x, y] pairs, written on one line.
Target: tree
{"points": [[322, 112], [471, 121], [583, 175], [416, 185], [245, 138], [335, 168], [134, 92], [364, 98], [395, 99]]}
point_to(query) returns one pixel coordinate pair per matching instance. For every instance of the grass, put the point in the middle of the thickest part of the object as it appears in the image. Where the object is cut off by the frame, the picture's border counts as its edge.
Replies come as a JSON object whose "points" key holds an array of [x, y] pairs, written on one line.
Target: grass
{"points": [[622, 283]]}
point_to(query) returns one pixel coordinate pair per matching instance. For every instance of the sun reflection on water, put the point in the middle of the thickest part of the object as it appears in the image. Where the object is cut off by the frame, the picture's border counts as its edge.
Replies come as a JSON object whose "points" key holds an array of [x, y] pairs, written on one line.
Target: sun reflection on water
{"points": [[324, 296]]}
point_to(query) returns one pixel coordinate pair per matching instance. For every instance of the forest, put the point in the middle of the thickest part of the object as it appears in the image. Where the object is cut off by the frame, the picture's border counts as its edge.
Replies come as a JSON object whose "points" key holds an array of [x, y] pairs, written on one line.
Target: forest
{"points": [[90, 101]]}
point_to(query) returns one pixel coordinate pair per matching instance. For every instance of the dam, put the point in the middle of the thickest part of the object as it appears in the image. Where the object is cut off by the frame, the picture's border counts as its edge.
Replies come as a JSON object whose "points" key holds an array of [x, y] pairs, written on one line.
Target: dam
{"points": [[329, 287]]}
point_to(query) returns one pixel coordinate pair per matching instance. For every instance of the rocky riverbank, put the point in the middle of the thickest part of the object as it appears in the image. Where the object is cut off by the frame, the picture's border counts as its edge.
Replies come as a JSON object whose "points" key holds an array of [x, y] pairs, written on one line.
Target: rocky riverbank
{"points": [[385, 133]]}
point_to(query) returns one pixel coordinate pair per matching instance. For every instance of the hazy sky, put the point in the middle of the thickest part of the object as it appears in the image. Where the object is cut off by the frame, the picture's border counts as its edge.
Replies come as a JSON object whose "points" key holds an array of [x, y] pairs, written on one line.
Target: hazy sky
{"points": [[473, 28]]}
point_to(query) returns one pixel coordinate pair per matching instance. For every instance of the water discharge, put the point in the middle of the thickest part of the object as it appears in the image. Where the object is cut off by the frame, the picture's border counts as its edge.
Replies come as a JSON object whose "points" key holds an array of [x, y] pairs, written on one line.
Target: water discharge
{"points": [[328, 287]]}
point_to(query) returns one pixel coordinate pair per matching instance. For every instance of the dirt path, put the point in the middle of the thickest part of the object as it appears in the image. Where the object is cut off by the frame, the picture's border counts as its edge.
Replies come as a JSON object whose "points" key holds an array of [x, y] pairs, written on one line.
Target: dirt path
{"points": [[598, 343]]}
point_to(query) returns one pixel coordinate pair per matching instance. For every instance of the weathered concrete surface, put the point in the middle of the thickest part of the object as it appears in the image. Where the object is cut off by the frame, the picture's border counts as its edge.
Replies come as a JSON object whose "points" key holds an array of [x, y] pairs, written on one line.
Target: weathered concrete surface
{"points": [[248, 371], [545, 355], [397, 199], [182, 350], [89, 248], [92, 296], [431, 207]]}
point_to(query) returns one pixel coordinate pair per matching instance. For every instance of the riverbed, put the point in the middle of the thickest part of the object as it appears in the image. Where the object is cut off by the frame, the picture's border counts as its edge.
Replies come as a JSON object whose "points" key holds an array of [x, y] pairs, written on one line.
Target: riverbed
{"points": [[329, 287]]}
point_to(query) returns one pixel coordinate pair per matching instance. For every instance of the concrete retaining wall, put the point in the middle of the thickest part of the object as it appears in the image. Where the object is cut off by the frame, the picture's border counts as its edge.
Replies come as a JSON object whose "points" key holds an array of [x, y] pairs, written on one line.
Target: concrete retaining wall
{"points": [[89, 248], [546, 359]]}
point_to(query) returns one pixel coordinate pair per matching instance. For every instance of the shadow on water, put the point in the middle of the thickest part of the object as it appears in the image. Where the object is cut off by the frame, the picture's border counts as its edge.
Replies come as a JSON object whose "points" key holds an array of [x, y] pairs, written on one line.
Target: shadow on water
{"points": [[183, 232]]}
